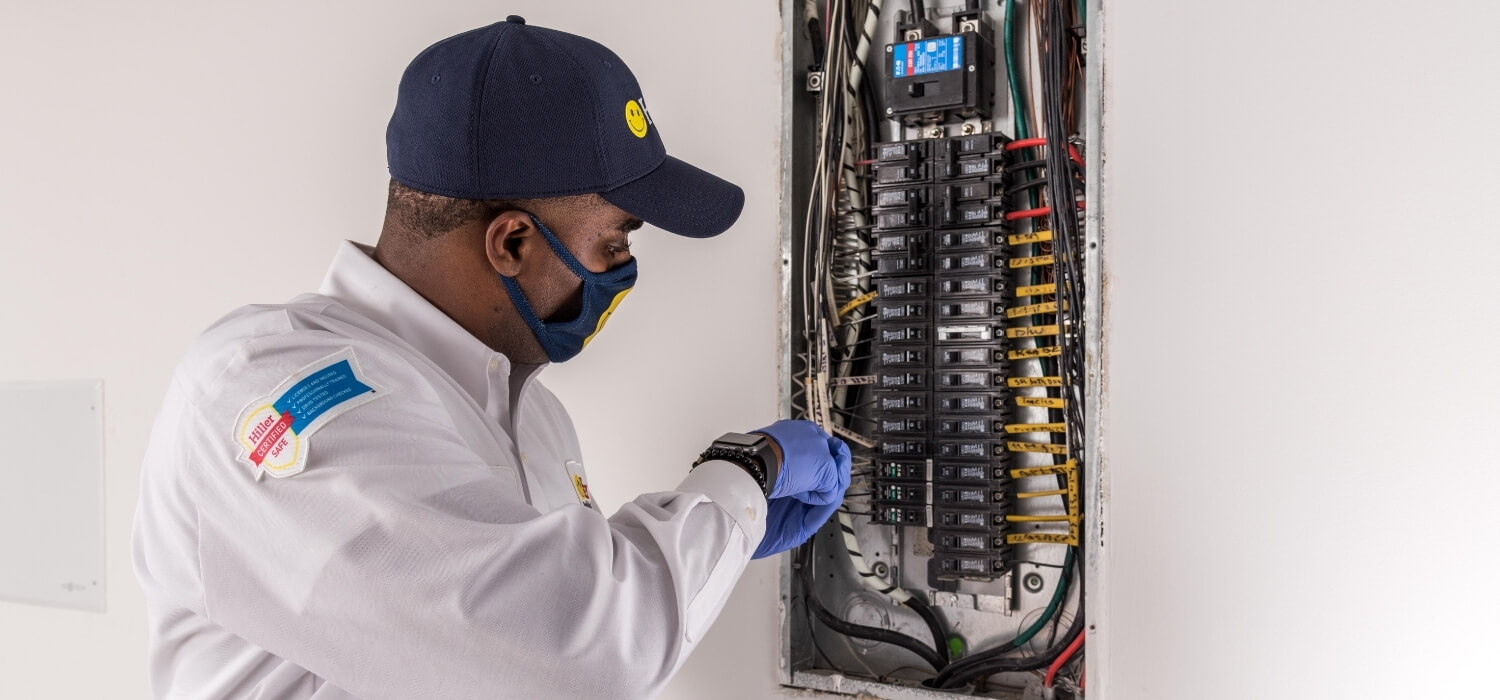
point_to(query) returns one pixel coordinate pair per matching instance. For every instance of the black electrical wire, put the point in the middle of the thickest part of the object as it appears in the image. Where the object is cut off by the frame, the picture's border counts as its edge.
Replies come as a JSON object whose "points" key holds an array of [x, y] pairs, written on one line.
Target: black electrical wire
{"points": [[1036, 182], [1027, 165], [876, 634], [851, 629], [934, 624], [1053, 49]]}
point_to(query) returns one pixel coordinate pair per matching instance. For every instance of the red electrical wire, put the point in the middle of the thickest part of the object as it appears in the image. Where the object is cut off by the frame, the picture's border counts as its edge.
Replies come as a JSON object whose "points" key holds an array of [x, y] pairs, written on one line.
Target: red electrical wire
{"points": [[1073, 153], [1034, 213], [1024, 143], [1063, 659], [1028, 143], [1028, 213]]}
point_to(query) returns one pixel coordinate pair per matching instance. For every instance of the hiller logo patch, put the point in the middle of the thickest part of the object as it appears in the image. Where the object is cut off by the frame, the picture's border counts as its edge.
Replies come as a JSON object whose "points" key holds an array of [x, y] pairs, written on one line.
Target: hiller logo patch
{"points": [[274, 430]]}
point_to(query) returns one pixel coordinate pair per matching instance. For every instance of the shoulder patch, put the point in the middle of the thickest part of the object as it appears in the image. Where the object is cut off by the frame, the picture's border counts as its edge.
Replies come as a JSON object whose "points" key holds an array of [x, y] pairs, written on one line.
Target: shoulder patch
{"points": [[273, 431]]}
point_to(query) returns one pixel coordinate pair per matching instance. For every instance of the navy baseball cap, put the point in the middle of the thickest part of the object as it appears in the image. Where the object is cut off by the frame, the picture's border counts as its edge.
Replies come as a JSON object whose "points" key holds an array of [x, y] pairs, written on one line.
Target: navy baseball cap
{"points": [[512, 111]]}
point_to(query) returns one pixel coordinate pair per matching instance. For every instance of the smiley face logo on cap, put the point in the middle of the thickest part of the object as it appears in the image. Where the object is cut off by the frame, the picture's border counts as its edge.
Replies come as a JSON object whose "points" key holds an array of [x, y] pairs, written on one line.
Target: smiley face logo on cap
{"points": [[635, 118]]}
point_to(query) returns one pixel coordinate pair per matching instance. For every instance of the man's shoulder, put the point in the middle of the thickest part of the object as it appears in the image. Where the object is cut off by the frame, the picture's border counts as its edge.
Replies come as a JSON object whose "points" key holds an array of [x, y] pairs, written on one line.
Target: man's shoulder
{"points": [[261, 380], [255, 347]]}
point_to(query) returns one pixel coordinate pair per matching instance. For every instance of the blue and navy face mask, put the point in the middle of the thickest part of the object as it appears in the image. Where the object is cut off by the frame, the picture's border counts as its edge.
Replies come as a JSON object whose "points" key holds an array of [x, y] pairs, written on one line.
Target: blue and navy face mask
{"points": [[602, 292]]}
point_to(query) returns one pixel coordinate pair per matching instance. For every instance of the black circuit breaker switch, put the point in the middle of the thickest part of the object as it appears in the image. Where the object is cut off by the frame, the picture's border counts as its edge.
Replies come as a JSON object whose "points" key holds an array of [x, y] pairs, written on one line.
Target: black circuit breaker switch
{"points": [[971, 155], [948, 74], [914, 401], [901, 470], [903, 515], [902, 287]]}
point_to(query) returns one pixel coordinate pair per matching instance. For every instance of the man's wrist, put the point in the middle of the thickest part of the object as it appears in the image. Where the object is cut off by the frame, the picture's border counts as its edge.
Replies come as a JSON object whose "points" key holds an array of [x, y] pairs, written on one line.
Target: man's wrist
{"points": [[773, 471], [756, 453]]}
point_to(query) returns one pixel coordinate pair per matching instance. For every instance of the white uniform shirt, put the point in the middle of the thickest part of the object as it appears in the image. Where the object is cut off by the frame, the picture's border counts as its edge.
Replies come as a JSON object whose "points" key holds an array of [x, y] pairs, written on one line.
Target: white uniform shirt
{"points": [[435, 544]]}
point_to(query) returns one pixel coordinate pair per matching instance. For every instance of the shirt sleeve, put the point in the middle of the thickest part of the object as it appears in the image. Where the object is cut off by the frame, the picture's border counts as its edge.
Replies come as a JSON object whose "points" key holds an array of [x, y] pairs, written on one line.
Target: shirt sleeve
{"points": [[400, 564]]}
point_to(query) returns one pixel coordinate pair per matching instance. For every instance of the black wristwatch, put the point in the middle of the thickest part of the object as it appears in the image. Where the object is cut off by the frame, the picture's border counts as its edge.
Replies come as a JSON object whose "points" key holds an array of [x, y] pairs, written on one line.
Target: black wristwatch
{"points": [[752, 452]]}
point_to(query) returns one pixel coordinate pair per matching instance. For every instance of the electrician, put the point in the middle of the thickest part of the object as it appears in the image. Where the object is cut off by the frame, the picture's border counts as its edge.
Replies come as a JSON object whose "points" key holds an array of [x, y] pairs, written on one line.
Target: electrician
{"points": [[366, 493]]}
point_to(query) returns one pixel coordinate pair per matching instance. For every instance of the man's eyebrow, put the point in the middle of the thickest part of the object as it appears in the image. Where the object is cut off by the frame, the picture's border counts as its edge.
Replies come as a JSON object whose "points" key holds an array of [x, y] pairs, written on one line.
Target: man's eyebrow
{"points": [[630, 224]]}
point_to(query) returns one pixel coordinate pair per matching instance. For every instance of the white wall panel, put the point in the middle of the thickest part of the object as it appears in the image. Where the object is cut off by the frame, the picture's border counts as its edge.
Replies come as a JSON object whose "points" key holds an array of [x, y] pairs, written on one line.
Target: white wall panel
{"points": [[52, 494]]}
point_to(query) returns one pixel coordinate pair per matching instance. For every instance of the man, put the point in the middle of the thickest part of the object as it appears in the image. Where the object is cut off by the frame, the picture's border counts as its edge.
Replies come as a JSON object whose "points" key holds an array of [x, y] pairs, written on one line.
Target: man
{"points": [[366, 493]]}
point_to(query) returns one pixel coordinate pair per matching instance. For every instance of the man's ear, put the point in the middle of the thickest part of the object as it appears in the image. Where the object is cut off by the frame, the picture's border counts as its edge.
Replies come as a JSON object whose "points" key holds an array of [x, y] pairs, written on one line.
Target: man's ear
{"points": [[507, 237]]}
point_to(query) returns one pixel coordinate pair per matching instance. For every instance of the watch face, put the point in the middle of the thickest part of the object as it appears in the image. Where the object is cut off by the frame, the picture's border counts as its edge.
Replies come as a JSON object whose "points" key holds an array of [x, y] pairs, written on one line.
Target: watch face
{"points": [[741, 439]]}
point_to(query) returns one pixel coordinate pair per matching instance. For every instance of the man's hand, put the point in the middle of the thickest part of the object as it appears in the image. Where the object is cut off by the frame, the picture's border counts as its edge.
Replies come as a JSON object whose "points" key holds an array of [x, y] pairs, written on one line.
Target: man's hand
{"points": [[814, 476]]}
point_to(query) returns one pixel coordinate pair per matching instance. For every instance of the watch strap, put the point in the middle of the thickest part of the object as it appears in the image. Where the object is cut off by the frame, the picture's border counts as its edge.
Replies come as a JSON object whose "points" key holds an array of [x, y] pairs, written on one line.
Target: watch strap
{"points": [[759, 461]]}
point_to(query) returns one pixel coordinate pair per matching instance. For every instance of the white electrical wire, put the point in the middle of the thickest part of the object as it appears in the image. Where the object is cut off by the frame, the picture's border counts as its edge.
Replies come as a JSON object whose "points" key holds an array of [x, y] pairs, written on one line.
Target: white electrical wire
{"points": [[861, 567]]}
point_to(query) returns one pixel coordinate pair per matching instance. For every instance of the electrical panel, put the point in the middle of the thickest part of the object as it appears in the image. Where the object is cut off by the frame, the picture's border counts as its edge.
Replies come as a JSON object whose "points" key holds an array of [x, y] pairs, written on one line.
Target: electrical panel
{"points": [[935, 324]]}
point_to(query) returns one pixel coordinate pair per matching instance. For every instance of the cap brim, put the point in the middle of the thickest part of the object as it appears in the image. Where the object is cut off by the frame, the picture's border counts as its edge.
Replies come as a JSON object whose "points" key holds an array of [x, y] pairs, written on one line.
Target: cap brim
{"points": [[681, 199]]}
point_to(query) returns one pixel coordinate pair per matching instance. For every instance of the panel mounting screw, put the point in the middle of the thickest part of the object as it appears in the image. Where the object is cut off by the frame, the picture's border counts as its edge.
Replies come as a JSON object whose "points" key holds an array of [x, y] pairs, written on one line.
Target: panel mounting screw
{"points": [[880, 569], [888, 110], [1033, 582], [971, 69]]}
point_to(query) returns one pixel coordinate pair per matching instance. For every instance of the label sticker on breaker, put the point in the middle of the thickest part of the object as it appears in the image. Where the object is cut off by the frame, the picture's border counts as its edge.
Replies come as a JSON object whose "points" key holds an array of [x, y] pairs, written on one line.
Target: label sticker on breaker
{"points": [[929, 56]]}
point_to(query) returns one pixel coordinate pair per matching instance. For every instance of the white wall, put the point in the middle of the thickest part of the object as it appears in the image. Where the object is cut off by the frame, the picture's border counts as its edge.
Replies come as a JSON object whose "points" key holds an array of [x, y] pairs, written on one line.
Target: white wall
{"points": [[164, 162], [1301, 245]]}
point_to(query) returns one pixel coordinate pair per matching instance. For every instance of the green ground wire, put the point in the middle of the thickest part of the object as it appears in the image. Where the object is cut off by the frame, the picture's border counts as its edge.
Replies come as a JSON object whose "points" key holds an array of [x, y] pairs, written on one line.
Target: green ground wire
{"points": [[1022, 129], [1058, 596]]}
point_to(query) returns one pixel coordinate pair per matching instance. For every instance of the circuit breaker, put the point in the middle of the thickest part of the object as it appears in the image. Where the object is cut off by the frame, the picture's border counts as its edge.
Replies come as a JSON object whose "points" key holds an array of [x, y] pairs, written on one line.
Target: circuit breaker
{"points": [[937, 74]]}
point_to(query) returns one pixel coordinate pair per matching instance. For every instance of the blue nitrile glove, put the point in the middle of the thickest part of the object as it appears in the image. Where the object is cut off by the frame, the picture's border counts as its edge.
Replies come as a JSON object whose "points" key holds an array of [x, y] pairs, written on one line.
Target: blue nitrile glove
{"points": [[789, 522], [814, 465], [814, 476]]}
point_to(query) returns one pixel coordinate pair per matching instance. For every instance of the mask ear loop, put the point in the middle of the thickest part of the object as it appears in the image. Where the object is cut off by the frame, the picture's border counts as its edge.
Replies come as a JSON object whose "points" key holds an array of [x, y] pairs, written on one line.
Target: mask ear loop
{"points": [[561, 250], [621, 273], [518, 297]]}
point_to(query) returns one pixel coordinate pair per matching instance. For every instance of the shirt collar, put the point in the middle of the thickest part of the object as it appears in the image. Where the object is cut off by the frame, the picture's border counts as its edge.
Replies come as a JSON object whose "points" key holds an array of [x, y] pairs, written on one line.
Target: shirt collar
{"points": [[363, 285]]}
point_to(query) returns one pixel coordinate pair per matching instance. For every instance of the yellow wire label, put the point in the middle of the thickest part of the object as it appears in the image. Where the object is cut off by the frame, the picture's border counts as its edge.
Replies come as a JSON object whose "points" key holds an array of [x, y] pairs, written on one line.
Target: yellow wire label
{"points": [[1034, 353], [857, 302], [1034, 261], [1029, 382], [1042, 447], [1039, 518], [1030, 331], [1036, 290], [1042, 538], [1041, 401], [1046, 307], [1033, 237], [1044, 470], [1035, 428]]}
